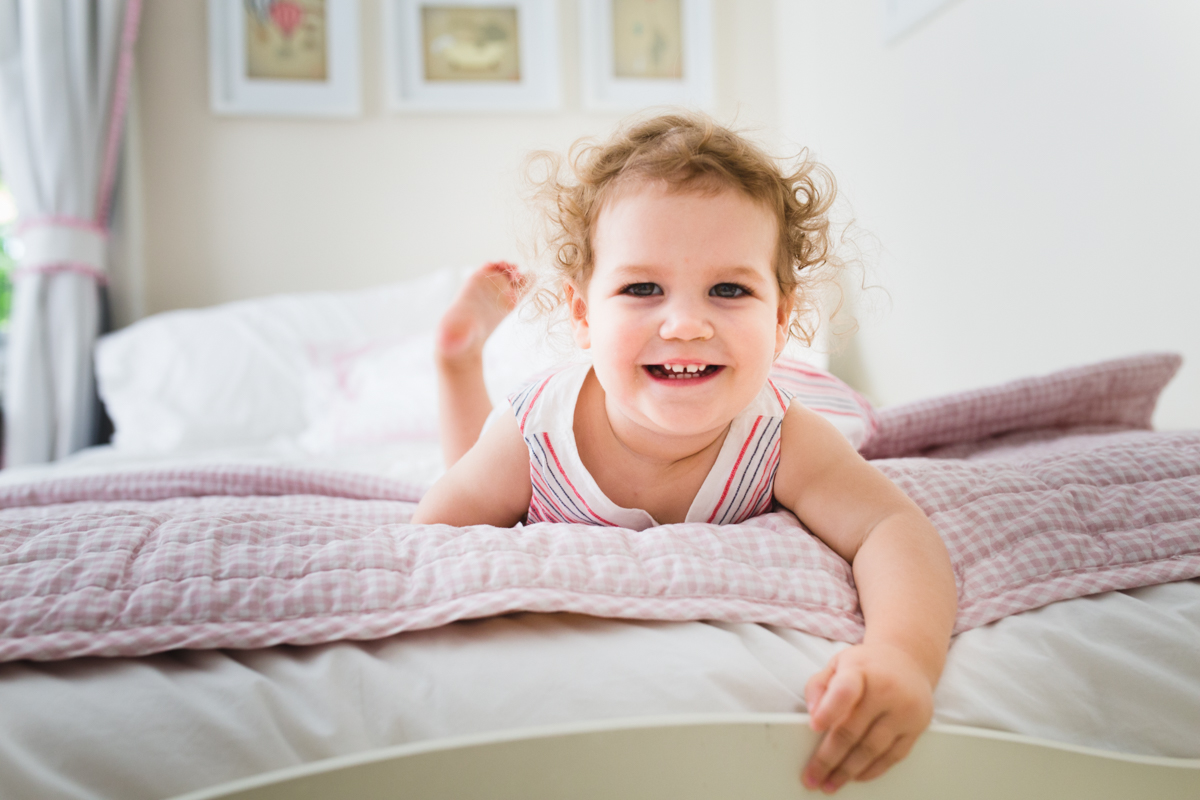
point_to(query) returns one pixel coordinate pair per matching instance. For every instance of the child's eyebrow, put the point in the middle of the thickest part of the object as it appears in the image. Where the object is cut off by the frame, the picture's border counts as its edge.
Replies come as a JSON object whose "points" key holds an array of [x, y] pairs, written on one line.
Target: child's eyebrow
{"points": [[632, 271], [744, 273]]}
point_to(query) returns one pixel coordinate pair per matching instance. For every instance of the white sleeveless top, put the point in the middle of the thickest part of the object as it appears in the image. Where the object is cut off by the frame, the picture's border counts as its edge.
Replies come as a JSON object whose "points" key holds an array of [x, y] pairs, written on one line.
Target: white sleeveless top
{"points": [[740, 484]]}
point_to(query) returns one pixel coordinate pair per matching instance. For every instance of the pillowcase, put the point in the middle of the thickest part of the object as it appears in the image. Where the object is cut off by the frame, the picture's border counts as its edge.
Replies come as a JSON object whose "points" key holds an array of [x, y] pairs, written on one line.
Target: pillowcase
{"points": [[386, 391], [380, 393], [237, 373], [828, 396]]}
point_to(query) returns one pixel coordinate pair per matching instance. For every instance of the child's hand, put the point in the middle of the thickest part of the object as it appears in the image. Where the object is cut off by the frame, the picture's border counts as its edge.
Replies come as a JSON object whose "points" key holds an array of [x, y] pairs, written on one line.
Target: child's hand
{"points": [[873, 700]]}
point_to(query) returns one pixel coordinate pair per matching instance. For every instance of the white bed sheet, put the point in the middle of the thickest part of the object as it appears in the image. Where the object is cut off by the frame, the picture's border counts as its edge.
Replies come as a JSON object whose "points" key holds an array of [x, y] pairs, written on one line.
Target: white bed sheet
{"points": [[1119, 671]]}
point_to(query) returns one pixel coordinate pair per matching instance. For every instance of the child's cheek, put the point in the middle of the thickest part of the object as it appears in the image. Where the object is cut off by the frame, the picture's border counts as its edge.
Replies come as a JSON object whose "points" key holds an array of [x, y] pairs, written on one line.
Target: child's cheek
{"points": [[613, 338]]}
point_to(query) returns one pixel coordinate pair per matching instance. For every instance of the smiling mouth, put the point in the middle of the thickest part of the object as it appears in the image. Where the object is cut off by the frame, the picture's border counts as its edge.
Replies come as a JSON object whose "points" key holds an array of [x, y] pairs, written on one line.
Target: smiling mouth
{"points": [[682, 372]]}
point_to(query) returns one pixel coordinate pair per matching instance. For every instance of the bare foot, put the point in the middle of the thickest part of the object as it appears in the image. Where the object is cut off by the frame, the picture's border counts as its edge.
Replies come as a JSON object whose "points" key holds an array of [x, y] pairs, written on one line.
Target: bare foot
{"points": [[485, 299]]}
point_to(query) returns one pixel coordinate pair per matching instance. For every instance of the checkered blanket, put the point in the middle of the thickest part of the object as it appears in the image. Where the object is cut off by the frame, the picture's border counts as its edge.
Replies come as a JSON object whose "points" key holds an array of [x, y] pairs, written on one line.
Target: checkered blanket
{"points": [[243, 557]]}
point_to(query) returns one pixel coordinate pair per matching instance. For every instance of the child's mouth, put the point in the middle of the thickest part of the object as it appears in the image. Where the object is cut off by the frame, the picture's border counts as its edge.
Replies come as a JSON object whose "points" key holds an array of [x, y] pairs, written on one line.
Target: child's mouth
{"points": [[682, 372]]}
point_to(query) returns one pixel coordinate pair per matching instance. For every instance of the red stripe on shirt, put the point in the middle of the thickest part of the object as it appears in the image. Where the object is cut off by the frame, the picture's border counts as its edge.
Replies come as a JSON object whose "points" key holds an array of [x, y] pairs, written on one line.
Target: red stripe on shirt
{"points": [[548, 501], [561, 471], [529, 407], [736, 464], [778, 394], [765, 483]]}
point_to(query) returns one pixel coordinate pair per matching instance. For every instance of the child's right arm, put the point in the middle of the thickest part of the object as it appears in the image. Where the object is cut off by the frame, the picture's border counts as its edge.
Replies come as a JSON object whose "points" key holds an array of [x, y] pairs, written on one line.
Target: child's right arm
{"points": [[488, 486]]}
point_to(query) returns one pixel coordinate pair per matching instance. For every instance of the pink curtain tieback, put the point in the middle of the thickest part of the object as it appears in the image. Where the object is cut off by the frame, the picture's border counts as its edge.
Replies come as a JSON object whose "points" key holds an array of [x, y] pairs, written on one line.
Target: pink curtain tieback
{"points": [[61, 244]]}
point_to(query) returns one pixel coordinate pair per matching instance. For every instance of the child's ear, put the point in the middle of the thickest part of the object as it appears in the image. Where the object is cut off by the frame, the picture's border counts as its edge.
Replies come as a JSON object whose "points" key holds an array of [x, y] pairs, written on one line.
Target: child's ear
{"points": [[783, 322], [577, 306]]}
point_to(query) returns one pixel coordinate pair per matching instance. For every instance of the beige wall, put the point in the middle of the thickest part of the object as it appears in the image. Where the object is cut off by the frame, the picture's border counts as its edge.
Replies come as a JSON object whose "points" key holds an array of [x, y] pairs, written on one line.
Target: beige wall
{"points": [[240, 207], [1030, 172]]}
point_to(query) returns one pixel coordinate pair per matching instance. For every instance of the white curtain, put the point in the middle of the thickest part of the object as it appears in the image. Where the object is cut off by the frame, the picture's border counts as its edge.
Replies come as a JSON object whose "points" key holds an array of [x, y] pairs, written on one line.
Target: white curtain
{"points": [[64, 74]]}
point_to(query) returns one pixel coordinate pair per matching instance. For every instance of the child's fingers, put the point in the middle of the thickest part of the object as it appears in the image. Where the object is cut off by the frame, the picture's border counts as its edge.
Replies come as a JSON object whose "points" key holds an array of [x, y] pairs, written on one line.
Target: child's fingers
{"points": [[875, 745], [845, 722], [814, 690], [835, 746], [898, 752], [842, 693]]}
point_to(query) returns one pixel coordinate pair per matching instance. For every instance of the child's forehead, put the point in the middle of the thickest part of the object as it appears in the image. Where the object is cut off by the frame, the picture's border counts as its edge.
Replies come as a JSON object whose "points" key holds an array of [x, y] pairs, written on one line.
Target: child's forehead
{"points": [[704, 186], [659, 210]]}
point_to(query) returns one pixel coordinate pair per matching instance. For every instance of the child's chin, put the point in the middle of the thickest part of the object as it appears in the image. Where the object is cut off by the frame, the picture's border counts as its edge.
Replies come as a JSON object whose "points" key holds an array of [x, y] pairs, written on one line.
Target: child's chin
{"points": [[680, 423]]}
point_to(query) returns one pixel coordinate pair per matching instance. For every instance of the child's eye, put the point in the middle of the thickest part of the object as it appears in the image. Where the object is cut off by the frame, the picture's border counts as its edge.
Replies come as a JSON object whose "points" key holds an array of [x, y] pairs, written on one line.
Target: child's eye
{"points": [[728, 290], [642, 289]]}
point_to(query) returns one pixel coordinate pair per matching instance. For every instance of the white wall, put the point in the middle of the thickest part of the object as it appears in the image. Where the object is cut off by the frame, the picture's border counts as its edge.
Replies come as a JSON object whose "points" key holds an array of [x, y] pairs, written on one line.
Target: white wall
{"points": [[1030, 170], [239, 207]]}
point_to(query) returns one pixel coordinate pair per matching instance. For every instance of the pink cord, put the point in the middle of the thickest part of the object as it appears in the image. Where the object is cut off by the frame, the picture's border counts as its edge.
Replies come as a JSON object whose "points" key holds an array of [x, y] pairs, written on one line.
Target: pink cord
{"points": [[133, 13], [86, 270], [61, 222]]}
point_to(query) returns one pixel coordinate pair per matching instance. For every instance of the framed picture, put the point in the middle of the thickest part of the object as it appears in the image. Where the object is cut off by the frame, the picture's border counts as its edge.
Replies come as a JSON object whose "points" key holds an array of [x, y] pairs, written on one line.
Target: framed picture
{"points": [[640, 53], [464, 55], [284, 57]]}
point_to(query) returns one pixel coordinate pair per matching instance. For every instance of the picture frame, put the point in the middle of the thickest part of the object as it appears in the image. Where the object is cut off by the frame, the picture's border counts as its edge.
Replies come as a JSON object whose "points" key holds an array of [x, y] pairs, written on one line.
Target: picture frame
{"points": [[286, 58], [636, 54], [471, 55]]}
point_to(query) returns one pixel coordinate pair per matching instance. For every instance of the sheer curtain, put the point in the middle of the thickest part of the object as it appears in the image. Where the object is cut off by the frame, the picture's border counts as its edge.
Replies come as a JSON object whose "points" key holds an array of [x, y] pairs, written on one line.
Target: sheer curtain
{"points": [[64, 79]]}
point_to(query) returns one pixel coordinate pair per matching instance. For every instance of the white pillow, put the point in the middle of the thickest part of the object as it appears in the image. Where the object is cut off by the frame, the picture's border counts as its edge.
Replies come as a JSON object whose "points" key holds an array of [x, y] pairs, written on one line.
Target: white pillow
{"points": [[385, 391], [236, 373]]}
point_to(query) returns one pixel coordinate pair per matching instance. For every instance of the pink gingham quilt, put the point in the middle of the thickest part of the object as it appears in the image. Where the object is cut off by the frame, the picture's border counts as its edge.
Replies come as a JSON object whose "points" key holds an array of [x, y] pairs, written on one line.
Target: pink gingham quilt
{"points": [[127, 564]]}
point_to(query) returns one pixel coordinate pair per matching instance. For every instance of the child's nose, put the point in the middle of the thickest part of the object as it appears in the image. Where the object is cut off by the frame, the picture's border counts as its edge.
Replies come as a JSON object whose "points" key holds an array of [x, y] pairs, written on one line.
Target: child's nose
{"points": [[685, 320]]}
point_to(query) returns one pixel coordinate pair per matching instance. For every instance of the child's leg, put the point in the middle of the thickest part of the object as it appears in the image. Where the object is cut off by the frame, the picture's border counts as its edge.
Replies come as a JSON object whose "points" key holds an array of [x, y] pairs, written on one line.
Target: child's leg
{"points": [[484, 300]]}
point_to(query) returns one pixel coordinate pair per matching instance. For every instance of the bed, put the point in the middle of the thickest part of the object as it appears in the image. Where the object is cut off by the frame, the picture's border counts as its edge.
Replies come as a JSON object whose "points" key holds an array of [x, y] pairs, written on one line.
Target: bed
{"points": [[230, 588]]}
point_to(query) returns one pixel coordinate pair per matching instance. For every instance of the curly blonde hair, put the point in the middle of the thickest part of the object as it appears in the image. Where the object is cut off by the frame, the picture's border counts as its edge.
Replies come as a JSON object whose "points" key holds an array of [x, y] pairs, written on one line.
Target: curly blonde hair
{"points": [[689, 152]]}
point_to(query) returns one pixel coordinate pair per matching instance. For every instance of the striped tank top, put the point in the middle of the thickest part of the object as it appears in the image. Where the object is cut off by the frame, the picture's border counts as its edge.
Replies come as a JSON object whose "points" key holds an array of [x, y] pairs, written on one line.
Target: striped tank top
{"points": [[739, 486]]}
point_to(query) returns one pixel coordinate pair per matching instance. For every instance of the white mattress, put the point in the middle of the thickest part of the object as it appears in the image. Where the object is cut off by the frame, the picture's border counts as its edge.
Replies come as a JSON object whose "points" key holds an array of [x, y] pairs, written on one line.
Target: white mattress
{"points": [[1118, 671]]}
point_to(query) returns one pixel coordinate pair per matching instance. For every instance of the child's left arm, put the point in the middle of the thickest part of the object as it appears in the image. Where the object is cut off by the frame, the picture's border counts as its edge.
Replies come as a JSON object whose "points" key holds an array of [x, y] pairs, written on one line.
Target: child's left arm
{"points": [[875, 698]]}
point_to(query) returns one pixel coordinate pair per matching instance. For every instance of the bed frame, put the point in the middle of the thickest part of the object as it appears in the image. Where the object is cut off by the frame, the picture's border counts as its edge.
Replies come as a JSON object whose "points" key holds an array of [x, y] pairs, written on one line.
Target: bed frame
{"points": [[709, 757]]}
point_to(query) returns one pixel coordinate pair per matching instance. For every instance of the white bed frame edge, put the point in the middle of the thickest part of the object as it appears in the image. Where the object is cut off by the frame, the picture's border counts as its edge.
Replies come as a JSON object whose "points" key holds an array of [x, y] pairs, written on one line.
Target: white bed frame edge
{"points": [[705, 757]]}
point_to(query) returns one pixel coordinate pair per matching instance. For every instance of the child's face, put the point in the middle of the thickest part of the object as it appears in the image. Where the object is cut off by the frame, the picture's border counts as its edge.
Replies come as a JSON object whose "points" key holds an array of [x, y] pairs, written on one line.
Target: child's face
{"points": [[682, 280]]}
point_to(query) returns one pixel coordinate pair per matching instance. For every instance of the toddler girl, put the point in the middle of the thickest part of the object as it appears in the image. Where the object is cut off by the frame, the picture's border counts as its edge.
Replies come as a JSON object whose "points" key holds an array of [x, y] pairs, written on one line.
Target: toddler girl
{"points": [[682, 255]]}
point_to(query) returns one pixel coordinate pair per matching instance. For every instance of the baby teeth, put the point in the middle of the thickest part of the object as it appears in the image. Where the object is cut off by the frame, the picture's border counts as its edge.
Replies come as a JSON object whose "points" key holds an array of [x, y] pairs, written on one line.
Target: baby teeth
{"points": [[683, 370]]}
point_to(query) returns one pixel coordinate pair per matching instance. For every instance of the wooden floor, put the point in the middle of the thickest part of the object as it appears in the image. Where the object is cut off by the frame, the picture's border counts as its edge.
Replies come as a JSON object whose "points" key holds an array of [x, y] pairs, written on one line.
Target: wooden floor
{"points": [[710, 757]]}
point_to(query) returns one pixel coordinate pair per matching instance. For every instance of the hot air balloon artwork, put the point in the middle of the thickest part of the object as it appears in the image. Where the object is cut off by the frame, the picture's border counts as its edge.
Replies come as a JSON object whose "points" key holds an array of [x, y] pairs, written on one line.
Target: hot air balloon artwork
{"points": [[286, 40]]}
